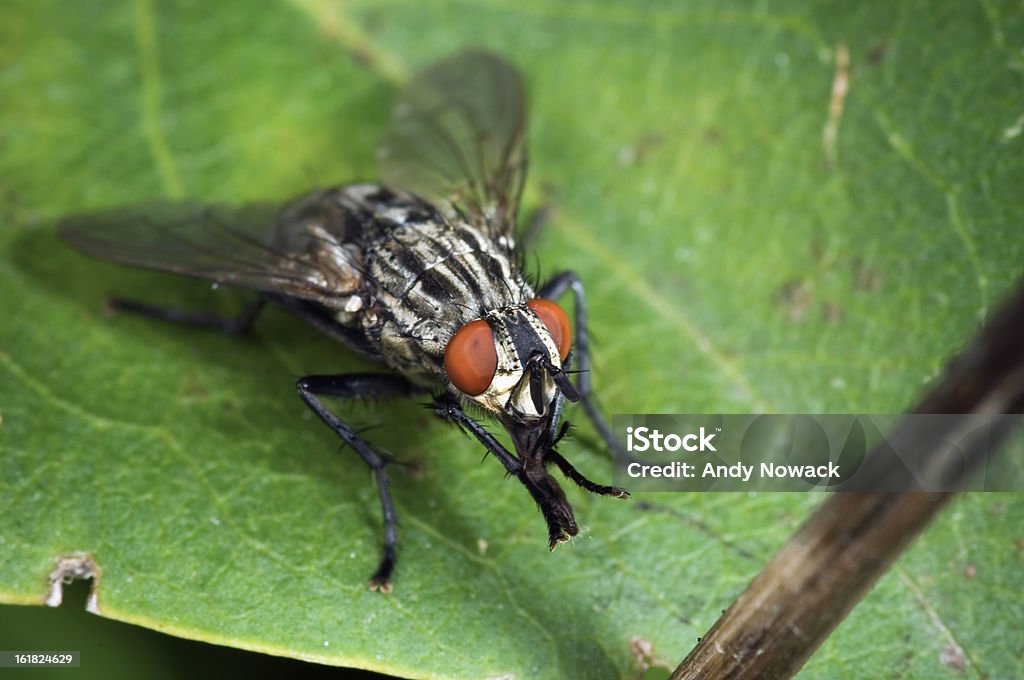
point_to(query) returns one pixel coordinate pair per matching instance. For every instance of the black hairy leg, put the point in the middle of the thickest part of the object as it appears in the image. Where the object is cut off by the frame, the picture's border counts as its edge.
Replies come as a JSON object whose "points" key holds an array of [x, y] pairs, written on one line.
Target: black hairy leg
{"points": [[363, 385]]}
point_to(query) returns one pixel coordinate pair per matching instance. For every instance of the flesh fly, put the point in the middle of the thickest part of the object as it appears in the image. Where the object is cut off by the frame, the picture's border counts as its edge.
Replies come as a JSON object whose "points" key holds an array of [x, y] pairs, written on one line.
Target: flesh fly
{"points": [[420, 273]]}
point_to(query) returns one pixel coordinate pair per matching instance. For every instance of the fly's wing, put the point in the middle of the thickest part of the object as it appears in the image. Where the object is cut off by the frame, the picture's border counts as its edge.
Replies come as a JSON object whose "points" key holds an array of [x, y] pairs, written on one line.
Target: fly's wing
{"points": [[457, 137], [230, 245]]}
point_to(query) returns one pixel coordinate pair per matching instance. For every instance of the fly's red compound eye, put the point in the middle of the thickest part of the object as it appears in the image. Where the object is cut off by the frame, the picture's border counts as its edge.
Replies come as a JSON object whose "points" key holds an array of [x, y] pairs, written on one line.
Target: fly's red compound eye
{"points": [[470, 358], [557, 323]]}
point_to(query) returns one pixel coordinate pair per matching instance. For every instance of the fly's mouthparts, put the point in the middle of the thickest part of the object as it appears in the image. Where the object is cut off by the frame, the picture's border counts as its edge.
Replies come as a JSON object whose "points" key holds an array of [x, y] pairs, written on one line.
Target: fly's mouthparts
{"points": [[568, 390]]}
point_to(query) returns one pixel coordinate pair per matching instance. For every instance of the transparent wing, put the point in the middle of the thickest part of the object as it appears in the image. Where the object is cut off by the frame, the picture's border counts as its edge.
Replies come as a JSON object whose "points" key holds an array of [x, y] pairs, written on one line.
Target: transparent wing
{"points": [[457, 138], [230, 245]]}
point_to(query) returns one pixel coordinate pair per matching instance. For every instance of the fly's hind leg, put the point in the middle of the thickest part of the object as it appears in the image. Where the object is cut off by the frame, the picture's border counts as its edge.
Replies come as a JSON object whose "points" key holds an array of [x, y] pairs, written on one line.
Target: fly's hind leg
{"points": [[556, 287], [231, 325], [363, 385]]}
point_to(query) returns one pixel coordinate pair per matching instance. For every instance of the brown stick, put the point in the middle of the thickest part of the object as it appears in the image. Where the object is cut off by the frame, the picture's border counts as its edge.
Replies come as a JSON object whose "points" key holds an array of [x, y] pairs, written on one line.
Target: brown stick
{"points": [[818, 576]]}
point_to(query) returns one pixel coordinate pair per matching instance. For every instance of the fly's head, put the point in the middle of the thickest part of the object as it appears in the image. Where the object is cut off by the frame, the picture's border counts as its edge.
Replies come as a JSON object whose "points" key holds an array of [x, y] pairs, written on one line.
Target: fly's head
{"points": [[513, 362]]}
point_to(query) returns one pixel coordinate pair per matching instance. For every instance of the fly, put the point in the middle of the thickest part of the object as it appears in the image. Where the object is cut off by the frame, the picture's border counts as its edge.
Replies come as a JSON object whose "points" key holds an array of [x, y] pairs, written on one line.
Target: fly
{"points": [[420, 273]]}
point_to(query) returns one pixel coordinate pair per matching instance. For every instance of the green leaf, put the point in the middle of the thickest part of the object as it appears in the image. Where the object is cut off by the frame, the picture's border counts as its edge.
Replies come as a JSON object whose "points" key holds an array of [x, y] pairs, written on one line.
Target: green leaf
{"points": [[735, 261]]}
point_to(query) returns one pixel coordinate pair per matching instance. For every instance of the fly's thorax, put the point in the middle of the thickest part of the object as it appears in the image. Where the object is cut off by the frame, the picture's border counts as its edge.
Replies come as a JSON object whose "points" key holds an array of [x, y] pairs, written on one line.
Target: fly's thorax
{"points": [[329, 235], [430, 277]]}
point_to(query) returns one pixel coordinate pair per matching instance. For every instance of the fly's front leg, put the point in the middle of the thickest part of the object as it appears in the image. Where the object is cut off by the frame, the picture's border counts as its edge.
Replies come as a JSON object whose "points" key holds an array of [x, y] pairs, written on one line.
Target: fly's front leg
{"points": [[572, 473], [447, 409], [363, 385], [554, 288], [231, 325], [542, 487]]}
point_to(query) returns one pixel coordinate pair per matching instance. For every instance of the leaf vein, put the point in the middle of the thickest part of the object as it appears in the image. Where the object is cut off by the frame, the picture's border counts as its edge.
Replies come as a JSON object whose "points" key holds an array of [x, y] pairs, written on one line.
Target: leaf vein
{"points": [[152, 93]]}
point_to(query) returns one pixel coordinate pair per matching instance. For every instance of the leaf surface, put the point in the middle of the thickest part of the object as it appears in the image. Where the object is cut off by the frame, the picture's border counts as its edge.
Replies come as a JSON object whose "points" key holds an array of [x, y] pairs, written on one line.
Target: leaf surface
{"points": [[750, 241]]}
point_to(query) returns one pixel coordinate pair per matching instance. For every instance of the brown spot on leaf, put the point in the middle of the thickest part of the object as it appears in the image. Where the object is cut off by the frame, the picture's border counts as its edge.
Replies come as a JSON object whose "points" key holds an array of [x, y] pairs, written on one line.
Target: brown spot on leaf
{"points": [[878, 52], [832, 312], [634, 154], [867, 279], [952, 656], [794, 297]]}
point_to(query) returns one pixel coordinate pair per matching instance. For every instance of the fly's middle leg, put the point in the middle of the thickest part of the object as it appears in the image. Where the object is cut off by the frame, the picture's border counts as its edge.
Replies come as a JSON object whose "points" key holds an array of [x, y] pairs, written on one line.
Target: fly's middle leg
{"points": [[363, 385]]}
